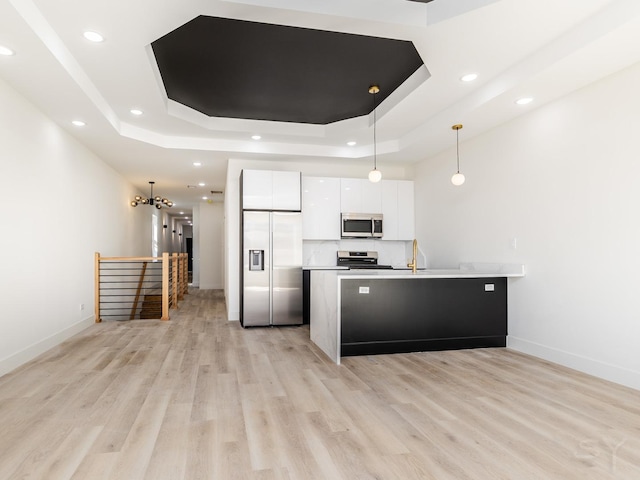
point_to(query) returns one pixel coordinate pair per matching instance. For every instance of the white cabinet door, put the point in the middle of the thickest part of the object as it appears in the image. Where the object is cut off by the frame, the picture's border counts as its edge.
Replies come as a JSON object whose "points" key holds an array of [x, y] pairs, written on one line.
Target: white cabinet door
{"points": [[286, 191], [351, 195], [257, 190], [359, 195], [325, 198], [390, 210], [269, 190], [371, 196], [320, 208], [406, 211]]}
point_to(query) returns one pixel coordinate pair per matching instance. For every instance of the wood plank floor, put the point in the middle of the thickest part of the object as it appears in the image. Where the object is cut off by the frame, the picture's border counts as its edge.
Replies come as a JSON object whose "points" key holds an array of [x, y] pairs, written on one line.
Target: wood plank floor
{"points": [[200, 398]]}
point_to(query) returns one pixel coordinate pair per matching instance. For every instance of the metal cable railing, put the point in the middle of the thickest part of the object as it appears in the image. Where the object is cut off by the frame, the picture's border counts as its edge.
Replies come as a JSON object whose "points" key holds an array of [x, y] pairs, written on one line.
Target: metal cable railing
{"points": [[139, 287]]}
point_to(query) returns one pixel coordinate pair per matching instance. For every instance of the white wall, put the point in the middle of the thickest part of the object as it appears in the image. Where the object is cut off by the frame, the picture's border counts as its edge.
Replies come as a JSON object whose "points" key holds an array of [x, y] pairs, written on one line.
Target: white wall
{"points": [[562, 181], [61, 204], [342, 168], [210, 228]]}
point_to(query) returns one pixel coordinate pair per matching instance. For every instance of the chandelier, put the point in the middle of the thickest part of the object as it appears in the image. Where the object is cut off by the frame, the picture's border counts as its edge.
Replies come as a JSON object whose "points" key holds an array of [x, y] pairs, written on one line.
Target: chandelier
{"points": [[158, 201]]}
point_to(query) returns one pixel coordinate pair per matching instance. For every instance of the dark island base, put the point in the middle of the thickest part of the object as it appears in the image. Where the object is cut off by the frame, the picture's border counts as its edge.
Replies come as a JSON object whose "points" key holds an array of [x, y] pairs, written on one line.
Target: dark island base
{"points": [[422, 314], [431, 345]]}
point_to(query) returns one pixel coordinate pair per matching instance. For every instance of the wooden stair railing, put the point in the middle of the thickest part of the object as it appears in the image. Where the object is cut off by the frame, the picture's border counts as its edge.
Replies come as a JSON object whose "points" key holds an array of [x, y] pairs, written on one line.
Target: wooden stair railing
{"points": [[158, 296], [140, 282]]}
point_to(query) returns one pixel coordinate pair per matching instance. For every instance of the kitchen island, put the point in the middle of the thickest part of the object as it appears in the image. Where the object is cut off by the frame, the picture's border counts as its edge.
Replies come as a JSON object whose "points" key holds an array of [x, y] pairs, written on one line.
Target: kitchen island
{"points": [[356, 312]]}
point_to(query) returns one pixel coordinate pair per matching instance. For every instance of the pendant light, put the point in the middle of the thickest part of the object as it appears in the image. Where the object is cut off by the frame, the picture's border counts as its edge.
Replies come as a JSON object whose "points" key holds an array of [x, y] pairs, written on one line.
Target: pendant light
{"points": [[374, 175], [457, 179]]}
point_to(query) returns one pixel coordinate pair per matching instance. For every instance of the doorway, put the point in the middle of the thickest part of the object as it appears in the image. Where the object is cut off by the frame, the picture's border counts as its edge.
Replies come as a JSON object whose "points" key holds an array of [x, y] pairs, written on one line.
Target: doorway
{"points": [[189, 246]]}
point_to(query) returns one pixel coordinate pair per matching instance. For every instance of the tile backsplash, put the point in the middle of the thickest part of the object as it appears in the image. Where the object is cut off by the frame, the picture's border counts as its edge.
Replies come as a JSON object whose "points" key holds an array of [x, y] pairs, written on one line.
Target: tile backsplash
{"points": [[321, 253]]}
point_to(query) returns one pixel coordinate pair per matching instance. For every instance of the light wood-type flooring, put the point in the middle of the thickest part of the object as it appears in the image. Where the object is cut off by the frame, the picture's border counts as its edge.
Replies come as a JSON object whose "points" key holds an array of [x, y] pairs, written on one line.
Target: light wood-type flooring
{"points": [[200, 398]]}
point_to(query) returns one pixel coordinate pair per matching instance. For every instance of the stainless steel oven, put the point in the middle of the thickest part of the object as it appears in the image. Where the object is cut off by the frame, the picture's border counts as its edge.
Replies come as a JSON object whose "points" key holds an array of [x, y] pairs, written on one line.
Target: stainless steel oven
{"points": [[360, 260], [361, 225]]}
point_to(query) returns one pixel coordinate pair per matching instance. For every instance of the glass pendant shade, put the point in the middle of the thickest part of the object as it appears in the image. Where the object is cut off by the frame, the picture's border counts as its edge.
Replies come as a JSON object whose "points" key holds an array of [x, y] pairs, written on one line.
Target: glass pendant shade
{"points": [[457, 179], [375, 175]]}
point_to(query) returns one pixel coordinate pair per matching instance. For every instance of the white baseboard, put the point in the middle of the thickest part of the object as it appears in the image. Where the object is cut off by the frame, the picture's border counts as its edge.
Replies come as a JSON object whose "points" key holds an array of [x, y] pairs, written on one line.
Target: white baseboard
{"points": [[23, 356], [606, 371]]}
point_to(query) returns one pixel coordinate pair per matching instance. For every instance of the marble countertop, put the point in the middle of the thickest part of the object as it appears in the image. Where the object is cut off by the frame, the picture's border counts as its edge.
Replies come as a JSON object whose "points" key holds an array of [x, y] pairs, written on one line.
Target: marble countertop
{"points": [[321, 267], [465, 270]]}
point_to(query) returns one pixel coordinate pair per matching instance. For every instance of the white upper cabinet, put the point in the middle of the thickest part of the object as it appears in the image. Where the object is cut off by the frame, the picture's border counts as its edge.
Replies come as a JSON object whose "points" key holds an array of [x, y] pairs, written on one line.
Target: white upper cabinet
{"points": [[257, 189], [406, 211], [324, 198], [320, 208], [271, 190], [359, 195], [392, 198], [286, 191], [350, 197], [390, 217], [371, 196]]}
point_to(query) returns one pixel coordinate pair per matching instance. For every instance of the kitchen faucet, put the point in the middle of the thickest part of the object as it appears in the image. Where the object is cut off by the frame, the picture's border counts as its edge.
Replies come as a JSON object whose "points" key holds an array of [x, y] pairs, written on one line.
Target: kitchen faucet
{"points": [[414, 263]]}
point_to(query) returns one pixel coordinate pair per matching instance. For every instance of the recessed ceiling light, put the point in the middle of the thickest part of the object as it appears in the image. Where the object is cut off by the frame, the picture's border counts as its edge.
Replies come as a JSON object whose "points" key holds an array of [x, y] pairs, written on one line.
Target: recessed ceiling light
{"points": [[201, 184], [256, 137], [469, 77], [136, 111], [524, 100], [197, 164], [6, 51], [351, 143], [78, 123], [204, 198], [181, 213], [93, 36]]}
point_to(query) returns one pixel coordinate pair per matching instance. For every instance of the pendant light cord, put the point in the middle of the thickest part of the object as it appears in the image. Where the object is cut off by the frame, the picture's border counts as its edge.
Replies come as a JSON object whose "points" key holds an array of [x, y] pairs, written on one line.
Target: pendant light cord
{"points": [[375, 153], [458, 148]]}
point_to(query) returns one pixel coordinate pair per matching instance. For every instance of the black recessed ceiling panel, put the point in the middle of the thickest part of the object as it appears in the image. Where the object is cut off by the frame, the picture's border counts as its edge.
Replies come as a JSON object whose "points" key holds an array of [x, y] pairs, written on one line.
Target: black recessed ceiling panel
{"points": [[239, 69]]}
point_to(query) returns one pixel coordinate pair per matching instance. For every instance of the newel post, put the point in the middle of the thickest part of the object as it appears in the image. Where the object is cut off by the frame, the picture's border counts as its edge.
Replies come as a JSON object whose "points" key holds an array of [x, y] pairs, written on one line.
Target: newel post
{"points": [[165, 286], [97, 287], [175, 269]]}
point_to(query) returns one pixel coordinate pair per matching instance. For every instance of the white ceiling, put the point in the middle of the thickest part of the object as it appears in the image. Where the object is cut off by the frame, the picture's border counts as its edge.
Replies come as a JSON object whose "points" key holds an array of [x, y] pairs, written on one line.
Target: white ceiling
{"points": [[542, 48]]}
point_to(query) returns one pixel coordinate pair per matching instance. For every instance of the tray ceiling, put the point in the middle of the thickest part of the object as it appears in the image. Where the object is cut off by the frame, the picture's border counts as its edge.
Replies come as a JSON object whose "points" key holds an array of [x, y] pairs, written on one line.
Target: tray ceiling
{"points": [[239, 69]]}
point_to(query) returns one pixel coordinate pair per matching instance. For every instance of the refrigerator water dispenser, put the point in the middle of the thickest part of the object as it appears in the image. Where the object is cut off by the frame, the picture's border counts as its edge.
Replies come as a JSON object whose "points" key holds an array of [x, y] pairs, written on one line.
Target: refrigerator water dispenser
{"points": [[257, 260]]}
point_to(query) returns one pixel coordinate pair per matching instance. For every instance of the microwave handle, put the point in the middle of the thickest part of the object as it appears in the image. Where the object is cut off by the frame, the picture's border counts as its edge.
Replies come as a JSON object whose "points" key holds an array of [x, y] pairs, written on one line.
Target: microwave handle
{"points": [[373, 227]]}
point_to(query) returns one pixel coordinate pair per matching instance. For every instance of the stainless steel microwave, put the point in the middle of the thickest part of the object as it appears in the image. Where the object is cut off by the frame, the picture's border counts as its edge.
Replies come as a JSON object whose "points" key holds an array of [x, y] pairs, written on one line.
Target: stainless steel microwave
{"points": [[361, 225]]}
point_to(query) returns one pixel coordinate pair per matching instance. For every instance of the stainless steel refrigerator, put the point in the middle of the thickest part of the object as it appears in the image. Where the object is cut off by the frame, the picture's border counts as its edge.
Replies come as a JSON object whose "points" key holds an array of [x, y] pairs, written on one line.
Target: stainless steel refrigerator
{"points": [[271, 268]]}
